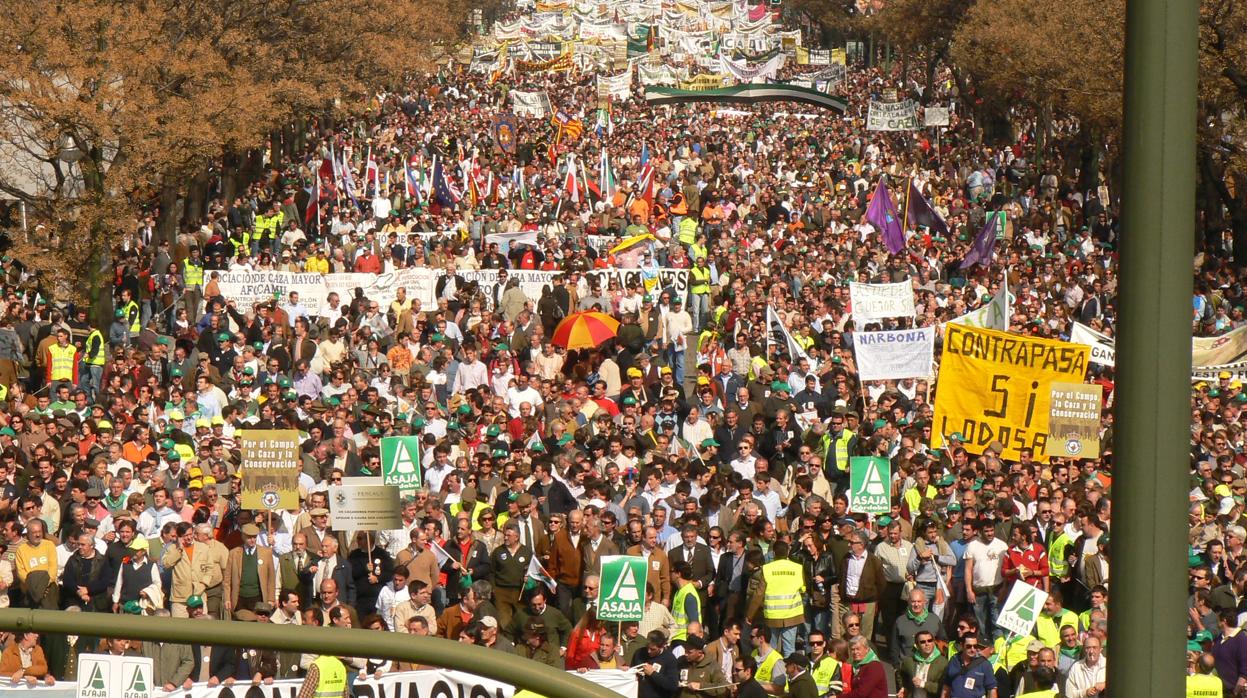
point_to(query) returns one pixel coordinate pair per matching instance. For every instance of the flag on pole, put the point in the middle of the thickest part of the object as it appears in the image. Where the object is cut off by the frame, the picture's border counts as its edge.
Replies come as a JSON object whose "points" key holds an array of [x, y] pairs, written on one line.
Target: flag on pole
{"points": [[571, 183], [606, 178], [882, 214], [984, 243], [442, 191], [644, 154], [538, 575], [372, 173], [409, 177], [920, 212], [645, 189], [313, 206]]}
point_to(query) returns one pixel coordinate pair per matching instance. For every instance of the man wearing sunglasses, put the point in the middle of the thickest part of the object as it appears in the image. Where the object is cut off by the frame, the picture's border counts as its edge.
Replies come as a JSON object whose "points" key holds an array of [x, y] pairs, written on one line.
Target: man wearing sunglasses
{"points": [[969, 675]]}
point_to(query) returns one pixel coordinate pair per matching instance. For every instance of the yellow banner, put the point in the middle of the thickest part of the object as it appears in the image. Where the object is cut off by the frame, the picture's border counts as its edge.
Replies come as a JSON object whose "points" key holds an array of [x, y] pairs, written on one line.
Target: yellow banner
{"points": [[997, 386], [837, 56], [803, 55], [704, 81], [563, 62]]}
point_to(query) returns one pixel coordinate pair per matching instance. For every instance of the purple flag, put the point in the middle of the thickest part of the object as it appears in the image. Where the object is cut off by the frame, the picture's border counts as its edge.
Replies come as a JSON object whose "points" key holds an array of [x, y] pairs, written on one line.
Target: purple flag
{"points": [[921, 212], [981, 249], [882, 214]]}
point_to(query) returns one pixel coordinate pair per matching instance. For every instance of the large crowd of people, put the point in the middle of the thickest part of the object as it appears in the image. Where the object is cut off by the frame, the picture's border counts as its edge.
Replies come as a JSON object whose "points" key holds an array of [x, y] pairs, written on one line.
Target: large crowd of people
{"points": [[689, 438]]}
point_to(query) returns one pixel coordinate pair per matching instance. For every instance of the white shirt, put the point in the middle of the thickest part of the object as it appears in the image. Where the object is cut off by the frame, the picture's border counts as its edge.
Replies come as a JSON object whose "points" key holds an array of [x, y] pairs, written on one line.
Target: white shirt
{"points": [[853, 573], [388, 599], [1083, 677], [516, 396], [987, 559]]}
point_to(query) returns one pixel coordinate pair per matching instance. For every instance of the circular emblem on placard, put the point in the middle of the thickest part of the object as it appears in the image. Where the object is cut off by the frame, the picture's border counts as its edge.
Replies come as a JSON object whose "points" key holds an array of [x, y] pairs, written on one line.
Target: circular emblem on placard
{"points": [[1073, 445], [270, 497]]}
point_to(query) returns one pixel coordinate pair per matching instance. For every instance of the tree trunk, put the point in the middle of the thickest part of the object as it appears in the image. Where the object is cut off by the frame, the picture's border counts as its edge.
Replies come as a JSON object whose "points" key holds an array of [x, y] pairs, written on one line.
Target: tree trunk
{"points": [[167, 222], [197, 199], [230, 184], [1091, 151]]}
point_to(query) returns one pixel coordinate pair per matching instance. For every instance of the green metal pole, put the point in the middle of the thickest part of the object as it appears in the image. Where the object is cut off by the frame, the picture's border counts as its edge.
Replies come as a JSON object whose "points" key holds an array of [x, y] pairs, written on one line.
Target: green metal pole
{"points": [[492, 664], [1149, 530]]}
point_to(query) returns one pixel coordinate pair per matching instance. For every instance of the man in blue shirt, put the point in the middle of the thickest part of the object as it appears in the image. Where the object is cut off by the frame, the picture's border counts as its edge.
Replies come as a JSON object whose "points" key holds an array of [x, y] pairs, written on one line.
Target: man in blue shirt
{"points": [[969, 675]]}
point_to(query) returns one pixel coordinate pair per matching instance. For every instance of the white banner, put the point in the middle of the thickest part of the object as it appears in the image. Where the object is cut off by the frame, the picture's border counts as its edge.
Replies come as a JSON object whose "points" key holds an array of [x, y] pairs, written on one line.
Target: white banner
{"points": [[744, 72], [617, 86], [674, 279], [655, 75], [777, 332], [935, 116], [505, 240], [878, 301], [1102, 350], [429, 682], [246, 288], [534, 105], [896, 354], [892, 116]]}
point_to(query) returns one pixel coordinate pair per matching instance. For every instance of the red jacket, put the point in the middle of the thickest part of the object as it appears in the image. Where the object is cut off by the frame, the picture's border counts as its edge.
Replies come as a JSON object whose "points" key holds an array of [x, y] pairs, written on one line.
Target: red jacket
{"points": [[870, 681]]}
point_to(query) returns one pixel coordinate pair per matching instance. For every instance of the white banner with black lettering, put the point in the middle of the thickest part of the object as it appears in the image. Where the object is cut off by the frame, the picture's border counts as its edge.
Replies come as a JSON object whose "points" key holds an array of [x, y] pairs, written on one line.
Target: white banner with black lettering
{"points": [[535, 105], [429, 683], [675, 280], [617, 86], [1103, 351], [892, 116], [895, 354], [878, 301]]}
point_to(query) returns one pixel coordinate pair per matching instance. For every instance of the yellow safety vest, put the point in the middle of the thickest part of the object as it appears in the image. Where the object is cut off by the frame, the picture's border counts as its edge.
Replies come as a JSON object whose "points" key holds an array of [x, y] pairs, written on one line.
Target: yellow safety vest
{"points": [[332, 677], [766, 665], [826, 670], [97, 357], [785, 581], [1057, 566], [697, 251], [1007, 657], [476, 513], [192, 273], [688, 231], [842, 448], [678, 612], [914, 498], [62, 361], [1048, 628], [1203, 686], [701, 280], [1050, 693], [132, 311]]}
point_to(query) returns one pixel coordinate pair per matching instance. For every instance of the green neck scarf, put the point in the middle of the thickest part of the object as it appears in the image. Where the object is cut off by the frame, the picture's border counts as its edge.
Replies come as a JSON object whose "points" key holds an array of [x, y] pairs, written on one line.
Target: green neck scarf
{"points": [[870, 657], [935, 653], [919, 619], [1073, 653]]}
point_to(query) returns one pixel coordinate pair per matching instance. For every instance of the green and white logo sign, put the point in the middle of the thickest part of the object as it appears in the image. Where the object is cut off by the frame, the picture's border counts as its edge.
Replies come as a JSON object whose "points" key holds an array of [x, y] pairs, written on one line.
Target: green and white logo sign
{"points": [[1021, 609], [870, 485], [621, 590], [400, 463], [107, 676]]}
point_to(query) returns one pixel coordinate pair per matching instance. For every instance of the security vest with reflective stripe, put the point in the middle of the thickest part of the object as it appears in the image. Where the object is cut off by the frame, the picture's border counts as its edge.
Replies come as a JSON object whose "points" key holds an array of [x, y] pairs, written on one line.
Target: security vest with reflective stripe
{"points": [[332, 677], [826, 670], [700, 283], [914, 498], [192, 273], [1057, 564], [1203, 686], [766, 665], [678, 612], [61, 367], [94, 349], [785, 581], [1008, 656], [131, 310]]}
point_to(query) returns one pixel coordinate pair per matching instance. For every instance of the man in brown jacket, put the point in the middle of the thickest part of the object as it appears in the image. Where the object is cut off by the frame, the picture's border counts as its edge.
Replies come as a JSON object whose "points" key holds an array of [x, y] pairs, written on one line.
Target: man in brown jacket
{"points": [[251, 575], [218, 560], [658, 568], [861, 581], [594, 546], [420, 560], [566, 563]]}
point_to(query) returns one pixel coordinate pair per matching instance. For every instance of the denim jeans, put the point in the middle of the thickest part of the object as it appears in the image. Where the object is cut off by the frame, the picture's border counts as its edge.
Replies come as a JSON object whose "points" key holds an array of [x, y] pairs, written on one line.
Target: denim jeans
{"points": [[986, 609], [785, 639]]}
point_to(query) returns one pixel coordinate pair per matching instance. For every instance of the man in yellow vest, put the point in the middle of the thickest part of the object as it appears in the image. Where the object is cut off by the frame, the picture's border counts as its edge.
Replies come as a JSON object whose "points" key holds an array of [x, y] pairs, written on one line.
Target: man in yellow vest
{"points": [[771, 673], [783, 583], [825, 669], [193, 279], [1201, 680], [699, 293], [61, 362], [326, 678], [1044, 676], [838, 444], [686, 605], [133, 314], [94, 356], [1052, 617]]}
